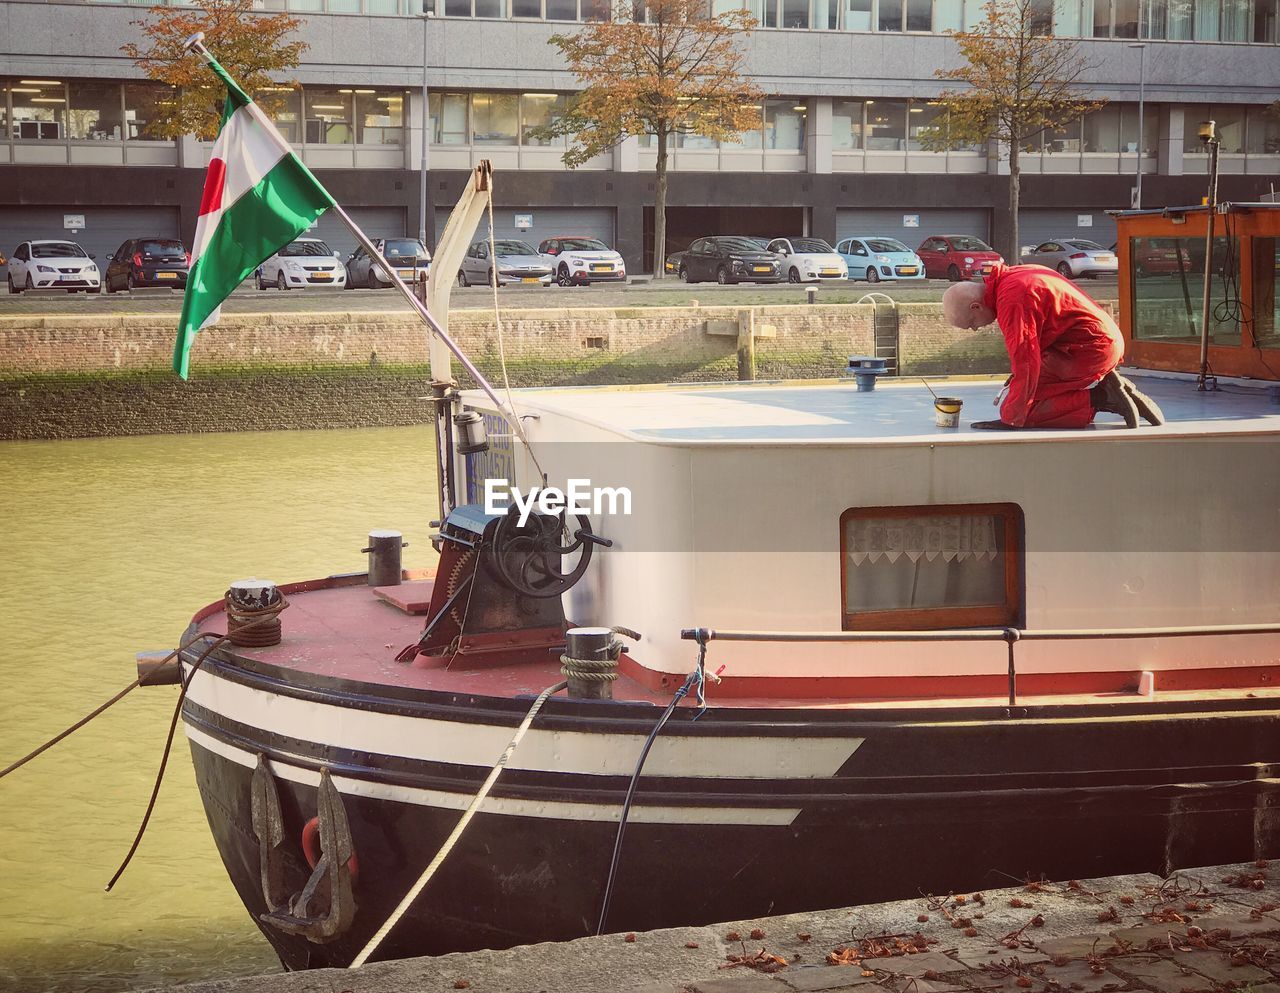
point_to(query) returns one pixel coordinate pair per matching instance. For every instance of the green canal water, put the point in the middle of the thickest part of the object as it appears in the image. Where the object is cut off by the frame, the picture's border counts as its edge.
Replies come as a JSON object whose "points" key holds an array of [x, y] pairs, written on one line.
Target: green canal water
{"points": [[108, 547]]}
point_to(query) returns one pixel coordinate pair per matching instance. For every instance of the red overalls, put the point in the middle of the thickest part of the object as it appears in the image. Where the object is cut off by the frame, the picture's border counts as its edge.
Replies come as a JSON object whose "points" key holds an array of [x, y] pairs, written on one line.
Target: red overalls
{"points": [[1060, 343]]}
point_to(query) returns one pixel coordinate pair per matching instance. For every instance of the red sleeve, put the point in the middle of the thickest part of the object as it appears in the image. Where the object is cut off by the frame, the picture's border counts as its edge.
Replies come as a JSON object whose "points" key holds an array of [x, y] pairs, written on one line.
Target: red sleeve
{"points": [[1020, 323]]}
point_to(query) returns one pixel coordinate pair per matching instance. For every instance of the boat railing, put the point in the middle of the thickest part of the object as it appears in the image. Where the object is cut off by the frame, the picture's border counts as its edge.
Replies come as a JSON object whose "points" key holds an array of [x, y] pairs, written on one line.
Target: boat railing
{"points": [[1010, 635]]}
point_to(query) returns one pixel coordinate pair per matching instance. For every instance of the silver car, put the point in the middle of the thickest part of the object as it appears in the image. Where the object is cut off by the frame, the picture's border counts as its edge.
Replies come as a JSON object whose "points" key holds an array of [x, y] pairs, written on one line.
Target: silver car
{"points": [[518, 262], [408, 255], [1074, 257]]}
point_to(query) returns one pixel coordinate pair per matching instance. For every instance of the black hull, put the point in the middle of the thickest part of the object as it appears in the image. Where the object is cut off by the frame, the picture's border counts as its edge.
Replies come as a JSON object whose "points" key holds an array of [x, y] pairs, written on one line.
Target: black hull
{"points": [[930, 801]]}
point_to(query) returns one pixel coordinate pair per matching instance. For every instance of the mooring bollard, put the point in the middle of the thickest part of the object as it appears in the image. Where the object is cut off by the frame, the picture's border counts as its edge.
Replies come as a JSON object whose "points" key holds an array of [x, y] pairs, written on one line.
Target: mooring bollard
{"points": [[590, 662], [384, 557], [811, 292]]}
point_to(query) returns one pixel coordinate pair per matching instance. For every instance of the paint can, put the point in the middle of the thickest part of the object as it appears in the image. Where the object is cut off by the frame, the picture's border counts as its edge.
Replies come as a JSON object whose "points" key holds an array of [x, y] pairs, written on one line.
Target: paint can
{"points": [[946, 412]]}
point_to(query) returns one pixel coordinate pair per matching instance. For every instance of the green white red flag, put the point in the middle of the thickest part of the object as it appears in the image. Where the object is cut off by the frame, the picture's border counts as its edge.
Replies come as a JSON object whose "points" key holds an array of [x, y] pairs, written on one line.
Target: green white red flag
{"points": [[258, 197]]}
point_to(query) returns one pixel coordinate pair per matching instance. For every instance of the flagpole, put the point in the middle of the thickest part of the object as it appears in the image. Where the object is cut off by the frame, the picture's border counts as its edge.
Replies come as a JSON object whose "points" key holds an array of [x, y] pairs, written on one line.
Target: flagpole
{"points": [[196, 44]]}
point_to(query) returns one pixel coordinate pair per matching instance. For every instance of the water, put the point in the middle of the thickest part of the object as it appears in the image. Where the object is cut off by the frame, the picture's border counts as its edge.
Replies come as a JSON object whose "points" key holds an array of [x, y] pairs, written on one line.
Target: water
{"points": [[108, 547]]}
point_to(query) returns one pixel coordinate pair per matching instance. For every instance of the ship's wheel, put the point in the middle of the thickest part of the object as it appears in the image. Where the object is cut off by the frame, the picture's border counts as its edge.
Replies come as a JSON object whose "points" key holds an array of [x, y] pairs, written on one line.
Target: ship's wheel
{"points": [[529, 557]]}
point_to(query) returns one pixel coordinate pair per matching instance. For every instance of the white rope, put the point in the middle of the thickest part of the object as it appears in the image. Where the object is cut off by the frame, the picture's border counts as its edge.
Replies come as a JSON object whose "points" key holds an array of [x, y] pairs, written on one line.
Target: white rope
{"points": [[452, 840]]}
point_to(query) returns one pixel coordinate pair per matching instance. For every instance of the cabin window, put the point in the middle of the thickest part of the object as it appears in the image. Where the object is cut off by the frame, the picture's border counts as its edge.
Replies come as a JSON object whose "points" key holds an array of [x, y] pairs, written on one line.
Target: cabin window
{"points": [[1168, 288], [916, 568], [1266, 292]]}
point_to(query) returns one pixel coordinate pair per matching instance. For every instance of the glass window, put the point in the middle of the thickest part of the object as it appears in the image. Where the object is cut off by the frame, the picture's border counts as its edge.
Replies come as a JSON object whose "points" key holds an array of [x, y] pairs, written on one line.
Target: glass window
{"points": [[922, 115], [919, 15], [1129, 129], [1264, 20], [493, 118], [1180, 25], [376, 6], [846, 124], [95, 112], [857, 15], [557, 10], [345, 6], [784, 124], [795, 13], [1266, 292], [948, 15], [1066, 18], [1042, 16], [1230, 121], [1101, 17], [890, 18], [1102, 129], [328, 116], [826, 14], [596, 10], [448, 118], [1235, 20], [491, 8], [533, 8], [380, 117], [4, 109], [39, 110], [752, 138], [1126, 18], [457, 8], [283, 105], [703, 143], [1064, 140], [974, 14], [539, 110], [1264, 131], [1207, 20], [886, 125], [142, 104], [1168, 286], [1192, 116], [930, 567]]}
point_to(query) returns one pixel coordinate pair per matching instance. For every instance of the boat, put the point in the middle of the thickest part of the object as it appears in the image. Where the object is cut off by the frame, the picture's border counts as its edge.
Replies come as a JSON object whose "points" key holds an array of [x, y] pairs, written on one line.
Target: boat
{"points": [[805, 647]]}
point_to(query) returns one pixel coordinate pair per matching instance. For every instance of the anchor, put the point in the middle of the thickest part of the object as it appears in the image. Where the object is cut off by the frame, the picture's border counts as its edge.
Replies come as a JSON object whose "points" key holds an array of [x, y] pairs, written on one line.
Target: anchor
{"points": [[324, 908]]}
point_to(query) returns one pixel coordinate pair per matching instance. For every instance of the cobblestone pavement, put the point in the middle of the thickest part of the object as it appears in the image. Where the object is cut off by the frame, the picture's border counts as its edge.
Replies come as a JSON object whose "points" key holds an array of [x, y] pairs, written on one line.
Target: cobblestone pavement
{"points": [[1209, 930]]}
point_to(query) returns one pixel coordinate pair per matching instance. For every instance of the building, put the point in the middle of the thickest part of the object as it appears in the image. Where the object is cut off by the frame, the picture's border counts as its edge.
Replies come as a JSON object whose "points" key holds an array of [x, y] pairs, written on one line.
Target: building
{"points": [[836, 152]]}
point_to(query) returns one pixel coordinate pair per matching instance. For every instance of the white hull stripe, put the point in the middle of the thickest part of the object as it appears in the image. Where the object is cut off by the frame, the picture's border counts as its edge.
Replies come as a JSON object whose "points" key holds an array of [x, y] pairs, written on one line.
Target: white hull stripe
{"points": [[568, 752], [557, 810]]}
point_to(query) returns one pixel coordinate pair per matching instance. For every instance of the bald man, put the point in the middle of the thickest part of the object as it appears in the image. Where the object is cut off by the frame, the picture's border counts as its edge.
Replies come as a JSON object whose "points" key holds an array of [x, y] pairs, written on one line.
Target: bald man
{"points": [[1063, 349]]}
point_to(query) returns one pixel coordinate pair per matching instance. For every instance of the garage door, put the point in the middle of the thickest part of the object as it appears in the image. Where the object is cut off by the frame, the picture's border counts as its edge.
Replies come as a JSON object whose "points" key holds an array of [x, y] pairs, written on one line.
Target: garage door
{"points": [[376, 222], [105, 228], [912, 226], [537, 223], [1037, 226]]}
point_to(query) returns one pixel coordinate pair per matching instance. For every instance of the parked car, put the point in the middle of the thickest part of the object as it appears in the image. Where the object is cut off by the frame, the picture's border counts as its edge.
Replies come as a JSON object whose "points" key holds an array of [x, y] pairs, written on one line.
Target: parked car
{"points": [[956, 256], [581, 261], [808, 260], [1073, 257], [874, 259], [1159, 257], [409, 256], [672, 263], [730, 259], [51, 264], [305, 262], [518, 262], [143, 262]]}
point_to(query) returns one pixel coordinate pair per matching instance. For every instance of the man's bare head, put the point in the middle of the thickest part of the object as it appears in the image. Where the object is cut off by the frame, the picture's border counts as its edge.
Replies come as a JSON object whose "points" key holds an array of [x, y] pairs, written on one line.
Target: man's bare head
{"points": [[962, 306]]}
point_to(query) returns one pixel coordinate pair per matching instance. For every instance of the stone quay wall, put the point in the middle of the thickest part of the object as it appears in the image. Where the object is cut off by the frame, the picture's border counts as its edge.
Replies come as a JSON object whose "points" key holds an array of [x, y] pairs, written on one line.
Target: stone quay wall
{"points": [[84, 376]]}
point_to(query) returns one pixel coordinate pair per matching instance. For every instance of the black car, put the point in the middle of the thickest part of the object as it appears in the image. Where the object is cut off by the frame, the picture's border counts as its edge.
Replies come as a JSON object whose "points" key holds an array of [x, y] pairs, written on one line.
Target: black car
{"points": [[730, 260], [143, 262]]}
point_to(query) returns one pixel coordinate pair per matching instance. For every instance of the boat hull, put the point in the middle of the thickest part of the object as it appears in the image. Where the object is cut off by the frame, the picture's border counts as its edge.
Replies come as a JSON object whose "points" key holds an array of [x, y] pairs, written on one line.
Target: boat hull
{"points": [[747, 812]]}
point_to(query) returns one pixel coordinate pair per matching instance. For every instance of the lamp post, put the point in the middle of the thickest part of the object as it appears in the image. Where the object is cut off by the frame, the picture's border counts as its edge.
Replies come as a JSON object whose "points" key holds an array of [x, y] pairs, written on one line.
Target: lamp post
{"points": [[1208, 135], [427, 14], [1142, 94]]}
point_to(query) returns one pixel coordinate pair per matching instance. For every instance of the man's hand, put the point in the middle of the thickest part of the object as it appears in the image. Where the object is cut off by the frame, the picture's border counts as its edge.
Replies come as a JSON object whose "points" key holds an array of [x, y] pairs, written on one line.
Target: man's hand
{"points": [[994, 426]]}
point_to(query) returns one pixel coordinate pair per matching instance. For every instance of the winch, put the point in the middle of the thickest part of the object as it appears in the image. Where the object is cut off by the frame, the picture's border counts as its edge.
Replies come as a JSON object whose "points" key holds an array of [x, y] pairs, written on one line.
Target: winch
{"points": [[497, 594]]}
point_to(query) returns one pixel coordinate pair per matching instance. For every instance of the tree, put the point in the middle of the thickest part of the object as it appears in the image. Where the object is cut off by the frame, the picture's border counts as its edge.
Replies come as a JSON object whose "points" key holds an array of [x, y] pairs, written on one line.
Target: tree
{"points": [[252, 47], [659, 67], [1021, 82]]}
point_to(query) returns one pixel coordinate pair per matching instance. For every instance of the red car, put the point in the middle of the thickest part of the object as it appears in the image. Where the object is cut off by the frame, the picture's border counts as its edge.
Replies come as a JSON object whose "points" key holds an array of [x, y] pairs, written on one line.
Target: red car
{"points": [[956, 256], [1159, 256]]}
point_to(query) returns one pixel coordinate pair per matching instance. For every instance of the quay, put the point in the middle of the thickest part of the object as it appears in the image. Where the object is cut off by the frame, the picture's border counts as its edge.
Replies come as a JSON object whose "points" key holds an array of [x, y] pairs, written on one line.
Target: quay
{"points": [[1206, 930]]}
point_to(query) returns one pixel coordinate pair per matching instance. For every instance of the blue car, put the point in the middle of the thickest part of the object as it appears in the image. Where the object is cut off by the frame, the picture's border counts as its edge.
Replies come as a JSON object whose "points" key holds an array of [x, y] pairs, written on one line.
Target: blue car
{"points": [[874, 259]]}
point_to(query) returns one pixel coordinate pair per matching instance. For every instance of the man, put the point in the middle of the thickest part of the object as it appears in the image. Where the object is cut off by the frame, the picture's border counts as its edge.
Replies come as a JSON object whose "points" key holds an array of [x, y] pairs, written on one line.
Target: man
{"points": [[1063, 349]]}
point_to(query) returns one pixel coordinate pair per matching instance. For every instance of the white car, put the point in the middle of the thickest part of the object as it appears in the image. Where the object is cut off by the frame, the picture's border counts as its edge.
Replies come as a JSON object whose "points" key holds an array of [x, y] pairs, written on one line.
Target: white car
{"points": [[53, 265], [305, 262], [580, 261], [809, 260]]}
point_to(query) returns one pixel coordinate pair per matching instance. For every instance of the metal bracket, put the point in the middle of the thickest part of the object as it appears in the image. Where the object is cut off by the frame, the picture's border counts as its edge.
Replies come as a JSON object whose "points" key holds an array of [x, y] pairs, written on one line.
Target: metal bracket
{"points": [[325, 908]]}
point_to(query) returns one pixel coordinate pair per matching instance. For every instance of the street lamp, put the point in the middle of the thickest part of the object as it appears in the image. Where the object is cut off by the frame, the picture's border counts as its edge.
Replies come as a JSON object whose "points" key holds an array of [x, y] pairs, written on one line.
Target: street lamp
{"points": [[1142, 94], [1208, 134], [427, 14]]}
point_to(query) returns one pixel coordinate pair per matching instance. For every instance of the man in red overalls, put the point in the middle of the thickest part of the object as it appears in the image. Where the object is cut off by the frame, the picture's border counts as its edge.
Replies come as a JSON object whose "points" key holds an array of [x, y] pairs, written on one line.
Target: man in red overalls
{"points": [[1063, 349]]}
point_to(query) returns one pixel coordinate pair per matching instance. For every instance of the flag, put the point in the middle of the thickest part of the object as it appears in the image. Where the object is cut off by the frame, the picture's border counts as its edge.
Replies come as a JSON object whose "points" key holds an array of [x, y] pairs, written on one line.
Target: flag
{"points": [[258, 197]]}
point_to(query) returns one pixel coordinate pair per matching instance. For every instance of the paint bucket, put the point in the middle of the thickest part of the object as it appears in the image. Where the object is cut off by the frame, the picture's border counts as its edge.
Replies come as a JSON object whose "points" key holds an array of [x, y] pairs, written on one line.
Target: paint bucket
{"points": [[946, 412]]}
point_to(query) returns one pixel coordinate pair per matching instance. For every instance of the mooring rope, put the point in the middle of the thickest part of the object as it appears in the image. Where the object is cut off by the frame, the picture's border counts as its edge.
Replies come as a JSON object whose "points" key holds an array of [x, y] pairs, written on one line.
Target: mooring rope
{"points": [[461, 826], [590, 670]]}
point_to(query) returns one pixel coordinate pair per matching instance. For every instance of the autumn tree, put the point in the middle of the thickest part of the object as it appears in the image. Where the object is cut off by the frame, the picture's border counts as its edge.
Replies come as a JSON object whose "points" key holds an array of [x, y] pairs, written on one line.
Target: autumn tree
{"points": [[658, 67], [253, 47], [1021, 81]]}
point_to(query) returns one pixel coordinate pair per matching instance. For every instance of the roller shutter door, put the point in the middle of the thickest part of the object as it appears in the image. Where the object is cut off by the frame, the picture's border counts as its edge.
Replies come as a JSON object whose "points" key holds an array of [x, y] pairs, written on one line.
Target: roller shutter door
{"points": [[376, 222], [850, 223], [1039, 226], [106, 228], [547, 222]]}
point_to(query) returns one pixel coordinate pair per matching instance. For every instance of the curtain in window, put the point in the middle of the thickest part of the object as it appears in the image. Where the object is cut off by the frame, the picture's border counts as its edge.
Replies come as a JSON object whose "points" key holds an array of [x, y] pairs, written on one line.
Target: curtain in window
{"points": [[1235, 20], [948, 538], [1206, 20]]}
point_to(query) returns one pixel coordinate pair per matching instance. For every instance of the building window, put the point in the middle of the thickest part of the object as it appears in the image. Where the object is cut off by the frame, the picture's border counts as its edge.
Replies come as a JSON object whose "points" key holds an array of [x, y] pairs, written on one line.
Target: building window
{"points": [[540, 110], [1235, 20], [380, 117], [1066, 18], [922, 115], [784, 124], [920, 568], [39, 110], [948, 15], [95, 112], [701, 143], [1102, 129], [448, 118], [328, 116], [1229, 119], [1064, 140], [1042, 17], [493, 118], [1264, 131], [886, 125], [1264, 21], [283, 104], [890, 15], [533, 8], [826, 14], [490, 8], [1126, 19], [795, 13], [857, 15], [919, 15], [1129, 129], [846, 124], [1207, 16]]}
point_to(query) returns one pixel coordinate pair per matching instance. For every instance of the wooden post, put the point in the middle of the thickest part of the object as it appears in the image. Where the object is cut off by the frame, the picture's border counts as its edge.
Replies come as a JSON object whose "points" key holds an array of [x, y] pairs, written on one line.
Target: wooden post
{"points": [[747, 344]]}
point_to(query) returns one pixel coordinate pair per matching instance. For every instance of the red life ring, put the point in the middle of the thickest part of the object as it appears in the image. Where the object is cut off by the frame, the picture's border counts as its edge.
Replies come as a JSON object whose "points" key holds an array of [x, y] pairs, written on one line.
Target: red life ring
{"points": [[311, 849]]}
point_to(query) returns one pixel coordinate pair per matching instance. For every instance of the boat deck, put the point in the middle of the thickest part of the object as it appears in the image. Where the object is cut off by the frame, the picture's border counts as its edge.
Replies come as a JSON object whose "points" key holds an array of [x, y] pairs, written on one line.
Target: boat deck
{"points": [[897, 411]]}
